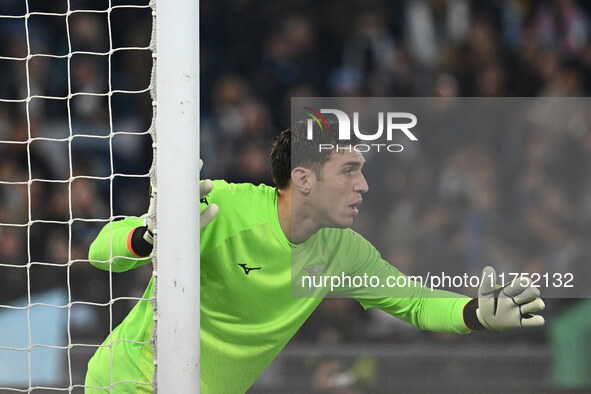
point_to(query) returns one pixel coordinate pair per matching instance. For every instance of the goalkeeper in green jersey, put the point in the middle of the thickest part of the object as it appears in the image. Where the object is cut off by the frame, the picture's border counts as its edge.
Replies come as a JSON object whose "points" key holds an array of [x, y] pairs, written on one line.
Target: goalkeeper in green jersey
{"points": [[253, 255]]}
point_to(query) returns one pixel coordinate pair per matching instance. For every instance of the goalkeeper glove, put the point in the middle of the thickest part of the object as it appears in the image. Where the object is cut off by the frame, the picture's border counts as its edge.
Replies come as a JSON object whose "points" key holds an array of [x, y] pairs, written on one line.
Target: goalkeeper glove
{"points": [[211, 210], [511, 306], [206, 216]]}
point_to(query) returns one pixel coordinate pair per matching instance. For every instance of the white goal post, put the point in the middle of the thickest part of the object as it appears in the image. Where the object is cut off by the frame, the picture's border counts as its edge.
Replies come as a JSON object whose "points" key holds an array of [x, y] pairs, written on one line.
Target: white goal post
{"points": [[176, 253]]}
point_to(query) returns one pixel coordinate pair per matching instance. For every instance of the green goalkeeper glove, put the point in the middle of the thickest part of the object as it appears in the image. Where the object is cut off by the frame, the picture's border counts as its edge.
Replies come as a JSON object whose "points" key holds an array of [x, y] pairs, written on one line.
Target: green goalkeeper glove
{"points": [[511, 306], [206, 216]]}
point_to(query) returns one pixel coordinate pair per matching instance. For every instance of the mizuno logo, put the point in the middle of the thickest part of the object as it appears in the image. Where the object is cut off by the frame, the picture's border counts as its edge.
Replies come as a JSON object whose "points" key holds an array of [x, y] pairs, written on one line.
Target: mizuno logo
{"points": [[247, 270]]}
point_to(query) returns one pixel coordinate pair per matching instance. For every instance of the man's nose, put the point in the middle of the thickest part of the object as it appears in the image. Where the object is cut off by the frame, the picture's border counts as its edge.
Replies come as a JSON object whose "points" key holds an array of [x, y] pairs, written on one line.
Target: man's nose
{"points": [[362, 186]]}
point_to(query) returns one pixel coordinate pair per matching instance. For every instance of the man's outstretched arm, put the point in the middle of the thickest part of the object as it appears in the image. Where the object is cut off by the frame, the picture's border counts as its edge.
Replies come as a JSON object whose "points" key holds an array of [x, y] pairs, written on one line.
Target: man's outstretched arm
{"points": [[508, 307], [126, 244], [512, 306]]}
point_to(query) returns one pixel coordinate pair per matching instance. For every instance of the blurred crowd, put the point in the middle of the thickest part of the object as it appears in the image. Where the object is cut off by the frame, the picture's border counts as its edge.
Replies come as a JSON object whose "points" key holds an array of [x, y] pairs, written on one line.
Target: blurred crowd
{"points": [[501, 197]]}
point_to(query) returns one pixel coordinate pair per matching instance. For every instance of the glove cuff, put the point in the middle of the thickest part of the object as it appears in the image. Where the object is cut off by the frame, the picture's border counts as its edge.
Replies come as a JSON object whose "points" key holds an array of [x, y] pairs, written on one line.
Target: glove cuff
{"points": [[470, 317], [137, 242]]}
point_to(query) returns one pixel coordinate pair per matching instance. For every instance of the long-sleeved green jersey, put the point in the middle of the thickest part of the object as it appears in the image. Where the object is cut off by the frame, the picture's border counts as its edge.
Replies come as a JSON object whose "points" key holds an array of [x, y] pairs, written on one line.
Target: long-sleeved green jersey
{"points": [[248, 308]]}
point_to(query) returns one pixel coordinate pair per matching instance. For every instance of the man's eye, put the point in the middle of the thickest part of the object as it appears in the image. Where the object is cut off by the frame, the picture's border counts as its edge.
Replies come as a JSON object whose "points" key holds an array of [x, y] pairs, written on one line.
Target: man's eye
{"points": [[348, 171]]}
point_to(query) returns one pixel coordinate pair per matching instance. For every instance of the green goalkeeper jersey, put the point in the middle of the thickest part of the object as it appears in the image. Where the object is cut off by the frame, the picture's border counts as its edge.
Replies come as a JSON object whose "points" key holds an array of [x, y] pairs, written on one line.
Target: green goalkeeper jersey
{"points": [[248, 309]]}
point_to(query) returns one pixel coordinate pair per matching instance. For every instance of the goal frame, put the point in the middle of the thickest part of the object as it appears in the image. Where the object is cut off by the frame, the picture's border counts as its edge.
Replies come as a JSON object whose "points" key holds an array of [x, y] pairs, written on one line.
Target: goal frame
{"points": [[176, 178]]}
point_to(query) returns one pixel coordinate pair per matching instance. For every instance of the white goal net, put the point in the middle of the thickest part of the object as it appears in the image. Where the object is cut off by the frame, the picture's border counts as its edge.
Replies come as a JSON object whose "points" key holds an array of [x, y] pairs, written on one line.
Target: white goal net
{"points": [[76, 118]]}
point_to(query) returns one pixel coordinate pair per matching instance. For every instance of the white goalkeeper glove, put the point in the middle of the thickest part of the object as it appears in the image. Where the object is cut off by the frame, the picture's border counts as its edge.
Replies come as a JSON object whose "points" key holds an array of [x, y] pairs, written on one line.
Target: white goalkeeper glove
{"points": [[511, 306], [206, 216], [211, 211]]}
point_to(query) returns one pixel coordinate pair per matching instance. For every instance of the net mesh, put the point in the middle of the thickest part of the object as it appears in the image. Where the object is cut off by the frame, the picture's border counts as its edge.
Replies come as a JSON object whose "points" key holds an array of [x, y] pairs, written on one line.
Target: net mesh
{"points": [[75, 154]]}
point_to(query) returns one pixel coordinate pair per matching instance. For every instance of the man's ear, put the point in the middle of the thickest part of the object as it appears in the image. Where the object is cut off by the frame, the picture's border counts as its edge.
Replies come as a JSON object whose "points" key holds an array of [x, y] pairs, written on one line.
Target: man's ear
{"points": [[301, 179]]}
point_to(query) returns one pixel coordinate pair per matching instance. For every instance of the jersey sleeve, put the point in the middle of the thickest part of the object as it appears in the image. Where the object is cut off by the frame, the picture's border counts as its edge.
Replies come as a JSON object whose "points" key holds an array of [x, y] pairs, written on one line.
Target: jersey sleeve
{"points": [[427, 309], [113, 247]]}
